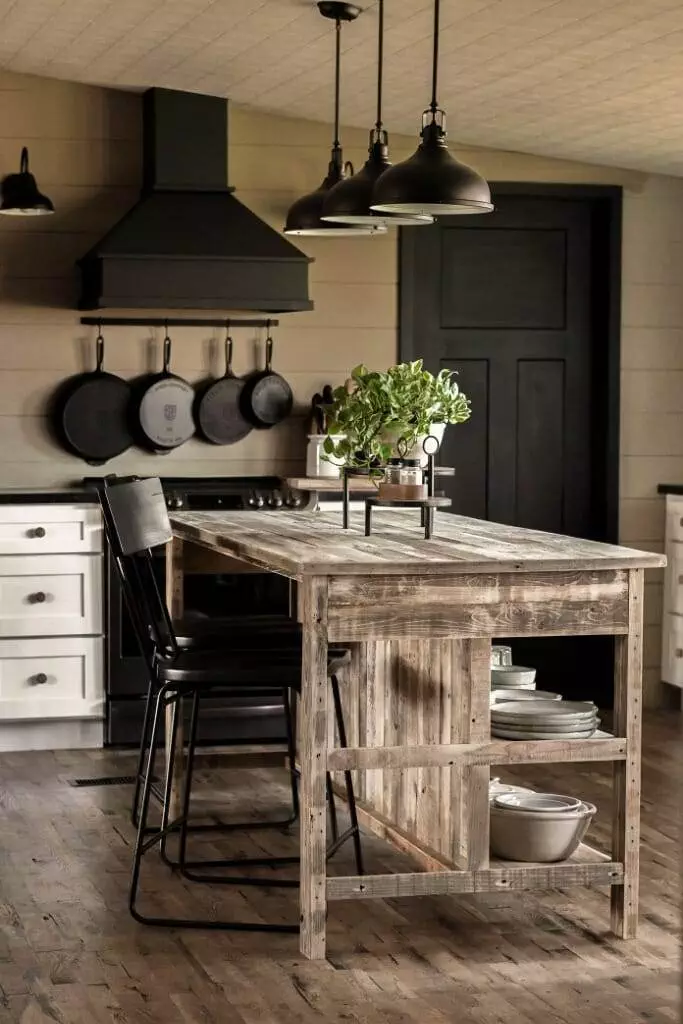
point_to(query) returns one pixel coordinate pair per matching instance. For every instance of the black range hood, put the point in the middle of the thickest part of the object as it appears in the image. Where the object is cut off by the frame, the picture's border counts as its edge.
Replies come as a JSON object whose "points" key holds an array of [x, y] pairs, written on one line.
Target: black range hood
{"points": [[189, 243]]}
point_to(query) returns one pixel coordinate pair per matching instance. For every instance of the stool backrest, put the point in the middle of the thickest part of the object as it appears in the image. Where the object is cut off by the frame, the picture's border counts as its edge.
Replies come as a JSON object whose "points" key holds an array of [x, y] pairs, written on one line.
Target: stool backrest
{"points": [[136, 521]]}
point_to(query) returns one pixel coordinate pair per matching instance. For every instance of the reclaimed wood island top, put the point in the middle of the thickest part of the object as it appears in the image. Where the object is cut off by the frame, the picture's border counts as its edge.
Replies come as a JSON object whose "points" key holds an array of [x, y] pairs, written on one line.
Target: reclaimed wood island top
{"points": [[313, 543], [419, 617]]}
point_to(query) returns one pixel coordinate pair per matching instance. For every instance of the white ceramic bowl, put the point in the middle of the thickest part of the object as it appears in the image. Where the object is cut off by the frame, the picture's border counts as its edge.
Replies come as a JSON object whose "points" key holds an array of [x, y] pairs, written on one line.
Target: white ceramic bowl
{"points": [[538, 838], [503, 676], [497, 788], [538, 803]]}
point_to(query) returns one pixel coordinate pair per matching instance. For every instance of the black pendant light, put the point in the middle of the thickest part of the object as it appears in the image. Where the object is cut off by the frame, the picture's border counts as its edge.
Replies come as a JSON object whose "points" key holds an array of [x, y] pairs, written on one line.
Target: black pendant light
{"points": [[349, 201], [432, 181], [304, 216], [20, 195]]}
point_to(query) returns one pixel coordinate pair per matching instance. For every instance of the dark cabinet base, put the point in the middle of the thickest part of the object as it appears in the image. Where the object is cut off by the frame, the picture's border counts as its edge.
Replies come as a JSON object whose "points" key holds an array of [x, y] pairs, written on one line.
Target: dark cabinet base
{"points": [[218, 724]]}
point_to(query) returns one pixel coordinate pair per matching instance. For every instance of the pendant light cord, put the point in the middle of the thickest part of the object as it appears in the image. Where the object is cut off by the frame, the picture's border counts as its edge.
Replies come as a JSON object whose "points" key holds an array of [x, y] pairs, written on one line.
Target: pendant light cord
{"points": [[337, 83], [380, 66], [433, 106]]}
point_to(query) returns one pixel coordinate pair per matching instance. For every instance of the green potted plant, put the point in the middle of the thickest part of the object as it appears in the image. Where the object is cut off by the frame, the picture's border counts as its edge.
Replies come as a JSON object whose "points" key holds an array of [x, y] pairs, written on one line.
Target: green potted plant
{"points": [[378, 415]]}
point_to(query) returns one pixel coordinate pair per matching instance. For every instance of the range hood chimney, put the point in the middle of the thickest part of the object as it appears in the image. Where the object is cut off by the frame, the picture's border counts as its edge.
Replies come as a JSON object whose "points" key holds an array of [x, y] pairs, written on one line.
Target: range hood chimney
{"points": [[189, 243]]}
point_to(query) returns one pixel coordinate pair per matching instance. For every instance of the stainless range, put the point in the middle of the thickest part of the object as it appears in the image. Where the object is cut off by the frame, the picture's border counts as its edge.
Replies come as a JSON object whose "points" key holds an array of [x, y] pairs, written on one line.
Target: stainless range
{"points": [[232, 719]]}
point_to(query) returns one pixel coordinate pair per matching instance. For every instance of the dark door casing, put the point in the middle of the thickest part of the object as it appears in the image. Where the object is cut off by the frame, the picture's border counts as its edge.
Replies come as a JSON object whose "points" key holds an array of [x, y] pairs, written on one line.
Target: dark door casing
{"points": [[523, 304]]}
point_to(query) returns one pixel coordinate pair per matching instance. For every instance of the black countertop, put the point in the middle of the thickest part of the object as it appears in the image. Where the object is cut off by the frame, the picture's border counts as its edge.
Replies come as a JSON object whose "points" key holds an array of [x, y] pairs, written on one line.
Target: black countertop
{"points": [[670, 489], [43, 496]]}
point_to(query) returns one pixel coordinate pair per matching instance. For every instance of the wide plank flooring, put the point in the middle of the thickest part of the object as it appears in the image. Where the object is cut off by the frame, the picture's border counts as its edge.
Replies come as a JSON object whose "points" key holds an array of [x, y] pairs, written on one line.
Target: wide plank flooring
{"points": [[70, 953]]}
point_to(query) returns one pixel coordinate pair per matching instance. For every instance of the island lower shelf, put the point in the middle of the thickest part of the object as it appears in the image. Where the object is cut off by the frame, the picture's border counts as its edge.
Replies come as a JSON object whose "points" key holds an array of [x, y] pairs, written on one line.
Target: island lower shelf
{"points": [[587, 866]]}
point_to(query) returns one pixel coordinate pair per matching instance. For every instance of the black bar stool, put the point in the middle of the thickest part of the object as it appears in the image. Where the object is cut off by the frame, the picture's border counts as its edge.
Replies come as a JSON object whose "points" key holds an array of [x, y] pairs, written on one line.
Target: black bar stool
{"points": [[136, 521]]}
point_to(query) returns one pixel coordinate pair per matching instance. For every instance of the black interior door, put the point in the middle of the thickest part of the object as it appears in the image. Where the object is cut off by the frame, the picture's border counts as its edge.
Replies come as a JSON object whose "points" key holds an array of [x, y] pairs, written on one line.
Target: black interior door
{"points": [[517, 302]]}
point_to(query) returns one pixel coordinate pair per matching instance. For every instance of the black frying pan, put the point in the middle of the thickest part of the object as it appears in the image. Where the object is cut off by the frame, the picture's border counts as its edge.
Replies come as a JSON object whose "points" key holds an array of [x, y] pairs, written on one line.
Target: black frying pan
{"points": [[90, 412], [218, 412], [266, 397], [162, 411]]}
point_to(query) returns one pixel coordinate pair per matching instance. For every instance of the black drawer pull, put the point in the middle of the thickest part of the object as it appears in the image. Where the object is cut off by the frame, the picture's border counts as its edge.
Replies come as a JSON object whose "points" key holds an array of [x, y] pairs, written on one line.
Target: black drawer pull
{"points": [[38, 598], [38, 679], [679, 652], [38, 531]]}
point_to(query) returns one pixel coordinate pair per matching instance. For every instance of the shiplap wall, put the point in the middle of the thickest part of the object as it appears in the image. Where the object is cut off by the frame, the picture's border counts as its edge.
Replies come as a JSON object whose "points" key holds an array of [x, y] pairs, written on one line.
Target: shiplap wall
{"points": [[85, 151]]}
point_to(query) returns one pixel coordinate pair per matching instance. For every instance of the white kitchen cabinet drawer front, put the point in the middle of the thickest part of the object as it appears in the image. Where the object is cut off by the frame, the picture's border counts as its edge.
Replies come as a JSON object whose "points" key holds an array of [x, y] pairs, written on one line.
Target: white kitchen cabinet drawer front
{"points": [[51, 678], [674, 519], [53, 595], [673, 579], [43, 529], [672, 650]]}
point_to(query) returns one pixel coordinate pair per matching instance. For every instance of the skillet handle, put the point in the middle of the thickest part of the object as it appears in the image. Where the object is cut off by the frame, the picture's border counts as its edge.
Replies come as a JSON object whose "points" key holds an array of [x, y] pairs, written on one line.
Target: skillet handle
{"points": [[228, 353], [99, 350], [269, 349], [167, 353]]}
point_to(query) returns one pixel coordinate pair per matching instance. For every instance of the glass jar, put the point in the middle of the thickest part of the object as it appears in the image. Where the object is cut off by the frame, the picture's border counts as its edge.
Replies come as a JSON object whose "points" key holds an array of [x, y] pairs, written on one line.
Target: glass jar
{"points": [[501, 655], [411, 473], [392, 471]]}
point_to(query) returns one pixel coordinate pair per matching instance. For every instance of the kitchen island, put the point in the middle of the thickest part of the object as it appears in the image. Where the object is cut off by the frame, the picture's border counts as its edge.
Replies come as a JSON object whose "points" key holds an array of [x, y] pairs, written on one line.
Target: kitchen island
{"points": [[420, 617]]}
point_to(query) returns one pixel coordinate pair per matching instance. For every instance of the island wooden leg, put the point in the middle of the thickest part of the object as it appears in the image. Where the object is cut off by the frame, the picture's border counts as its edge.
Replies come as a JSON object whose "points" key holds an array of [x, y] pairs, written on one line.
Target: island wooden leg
{"points": [[313, 742], [628, 669], [477, 729], [175, 604]]}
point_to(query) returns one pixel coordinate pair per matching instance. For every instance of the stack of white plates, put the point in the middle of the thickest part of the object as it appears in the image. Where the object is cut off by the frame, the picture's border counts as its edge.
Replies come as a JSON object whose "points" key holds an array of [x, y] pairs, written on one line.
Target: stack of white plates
{"points": [[544, 720], [508, 677], [518, 693]]}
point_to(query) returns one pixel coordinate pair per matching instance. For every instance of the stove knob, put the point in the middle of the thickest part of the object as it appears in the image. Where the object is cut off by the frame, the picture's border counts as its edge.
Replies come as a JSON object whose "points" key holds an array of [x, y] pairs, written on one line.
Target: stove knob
{"points": [[293, 501], [259, 501], [252, 500], [275, 500], [174, 503]]}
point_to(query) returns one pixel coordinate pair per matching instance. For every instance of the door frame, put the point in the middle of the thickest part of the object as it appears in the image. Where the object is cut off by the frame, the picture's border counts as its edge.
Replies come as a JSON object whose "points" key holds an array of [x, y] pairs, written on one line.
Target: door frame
{"points": [[607, 203]]}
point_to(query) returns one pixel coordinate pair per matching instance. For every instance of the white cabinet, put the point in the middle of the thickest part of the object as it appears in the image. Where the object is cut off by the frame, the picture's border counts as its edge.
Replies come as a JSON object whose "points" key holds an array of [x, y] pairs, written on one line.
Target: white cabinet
{"points": [[672, 614], [51, 616], [57, 677]]}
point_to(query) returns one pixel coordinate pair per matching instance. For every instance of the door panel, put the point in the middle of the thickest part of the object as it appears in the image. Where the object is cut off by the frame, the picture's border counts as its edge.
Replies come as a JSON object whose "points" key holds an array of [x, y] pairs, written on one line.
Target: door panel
{"points": [[512, 302]]}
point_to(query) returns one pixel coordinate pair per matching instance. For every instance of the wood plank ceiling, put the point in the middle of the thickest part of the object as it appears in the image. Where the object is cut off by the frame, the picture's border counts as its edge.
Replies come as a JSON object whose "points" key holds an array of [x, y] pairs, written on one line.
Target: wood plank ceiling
{"points": [[594, 80]]}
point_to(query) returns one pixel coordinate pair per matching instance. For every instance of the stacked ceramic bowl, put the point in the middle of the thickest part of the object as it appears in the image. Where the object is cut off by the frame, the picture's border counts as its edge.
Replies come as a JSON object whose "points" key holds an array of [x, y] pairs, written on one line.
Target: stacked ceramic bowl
{"points": [[544, 719], [537, 827]]}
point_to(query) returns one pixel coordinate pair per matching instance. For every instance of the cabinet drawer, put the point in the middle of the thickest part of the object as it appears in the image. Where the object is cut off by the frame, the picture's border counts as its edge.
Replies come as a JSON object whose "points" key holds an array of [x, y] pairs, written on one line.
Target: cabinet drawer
{"points": [[43, 529], [57, 595], [55, 678], [674, 519], [672, 650]]}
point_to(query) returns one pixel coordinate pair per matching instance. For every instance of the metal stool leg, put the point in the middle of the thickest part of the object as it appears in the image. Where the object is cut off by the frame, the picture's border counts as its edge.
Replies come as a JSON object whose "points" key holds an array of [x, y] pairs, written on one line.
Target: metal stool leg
{"points": [[354, 830]]}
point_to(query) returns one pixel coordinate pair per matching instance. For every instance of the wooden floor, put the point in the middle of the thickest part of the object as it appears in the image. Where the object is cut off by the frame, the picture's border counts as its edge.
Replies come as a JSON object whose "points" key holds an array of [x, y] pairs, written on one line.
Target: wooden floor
{"points": [[70, 953]]}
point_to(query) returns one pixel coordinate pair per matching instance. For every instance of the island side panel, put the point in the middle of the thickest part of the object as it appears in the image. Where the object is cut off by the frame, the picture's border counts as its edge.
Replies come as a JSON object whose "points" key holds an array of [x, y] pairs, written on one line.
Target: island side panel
{"points": [[411, 692], [628, 672]]}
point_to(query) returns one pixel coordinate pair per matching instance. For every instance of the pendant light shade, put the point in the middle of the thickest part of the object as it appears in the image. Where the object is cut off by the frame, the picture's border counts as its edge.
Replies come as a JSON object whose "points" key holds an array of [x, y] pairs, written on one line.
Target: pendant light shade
{"points": [[349, 202], [20, 195], [432, 181], [305, 215]]}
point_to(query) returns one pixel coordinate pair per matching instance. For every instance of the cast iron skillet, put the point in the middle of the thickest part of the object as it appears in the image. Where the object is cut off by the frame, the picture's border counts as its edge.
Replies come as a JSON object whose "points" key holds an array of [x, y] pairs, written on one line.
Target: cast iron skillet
{"points": [[162, 411], [89, 413], [266, 397], [217, 411]]}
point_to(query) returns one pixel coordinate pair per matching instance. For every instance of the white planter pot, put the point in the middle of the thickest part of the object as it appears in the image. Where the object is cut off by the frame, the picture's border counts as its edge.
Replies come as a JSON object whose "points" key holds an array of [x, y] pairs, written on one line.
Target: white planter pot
{"points": [[317, 462], [436, 430]]}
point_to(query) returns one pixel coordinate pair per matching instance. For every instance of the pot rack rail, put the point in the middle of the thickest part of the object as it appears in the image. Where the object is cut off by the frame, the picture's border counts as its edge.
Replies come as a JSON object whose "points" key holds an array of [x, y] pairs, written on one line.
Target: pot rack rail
{"points": [[169, 321]]}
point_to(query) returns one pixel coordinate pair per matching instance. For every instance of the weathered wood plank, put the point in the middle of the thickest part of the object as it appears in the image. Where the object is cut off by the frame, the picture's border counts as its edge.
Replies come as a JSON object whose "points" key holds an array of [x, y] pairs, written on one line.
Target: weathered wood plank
{"points": [[484, 588], [493, 752], [558, 617], [475, 816], [628, 671], [381, 826], [449, 883], [310, 543], [313, 741]]}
